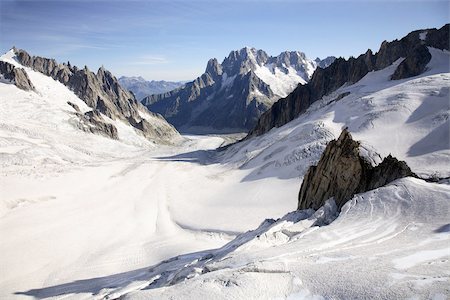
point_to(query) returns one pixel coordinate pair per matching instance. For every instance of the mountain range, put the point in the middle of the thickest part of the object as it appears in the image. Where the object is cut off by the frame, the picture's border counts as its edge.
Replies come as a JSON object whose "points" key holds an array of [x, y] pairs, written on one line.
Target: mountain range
{"points": [[142, 88], [340, 191], [231, 96]]}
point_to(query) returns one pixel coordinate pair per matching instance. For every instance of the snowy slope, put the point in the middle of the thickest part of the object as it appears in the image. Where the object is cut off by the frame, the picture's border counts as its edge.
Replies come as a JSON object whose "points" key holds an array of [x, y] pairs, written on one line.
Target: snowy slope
{"points": [[79, 206], [390, 243], [406, 118], [83, 216]]}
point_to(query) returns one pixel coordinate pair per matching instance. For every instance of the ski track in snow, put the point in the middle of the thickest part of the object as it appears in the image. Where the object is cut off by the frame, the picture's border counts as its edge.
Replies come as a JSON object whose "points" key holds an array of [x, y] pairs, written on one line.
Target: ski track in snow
{"points": [[83, 216]]}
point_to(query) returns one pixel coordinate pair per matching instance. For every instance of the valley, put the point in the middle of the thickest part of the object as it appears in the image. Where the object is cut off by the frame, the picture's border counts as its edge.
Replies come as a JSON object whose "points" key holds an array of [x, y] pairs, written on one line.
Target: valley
{"points": [[102, 198]]}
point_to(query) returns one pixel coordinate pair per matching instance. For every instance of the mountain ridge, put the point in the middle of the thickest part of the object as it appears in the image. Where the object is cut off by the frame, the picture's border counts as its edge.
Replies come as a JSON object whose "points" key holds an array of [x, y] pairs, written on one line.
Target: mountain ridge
{"points": [[102, 92], [234, 93], [342, 71]]}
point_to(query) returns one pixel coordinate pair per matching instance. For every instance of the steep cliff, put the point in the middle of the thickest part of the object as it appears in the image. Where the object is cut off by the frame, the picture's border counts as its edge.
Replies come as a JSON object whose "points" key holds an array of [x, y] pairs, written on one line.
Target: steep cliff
{"points": [[342, 172], [412, 47]]}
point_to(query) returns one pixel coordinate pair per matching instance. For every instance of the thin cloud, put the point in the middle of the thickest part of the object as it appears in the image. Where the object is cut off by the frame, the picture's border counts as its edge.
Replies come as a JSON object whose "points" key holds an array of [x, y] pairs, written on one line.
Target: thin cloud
{"points": [[150, 60]]}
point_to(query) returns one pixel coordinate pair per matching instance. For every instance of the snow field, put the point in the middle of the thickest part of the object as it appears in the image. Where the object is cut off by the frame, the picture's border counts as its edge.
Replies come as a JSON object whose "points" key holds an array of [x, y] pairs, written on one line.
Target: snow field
{"points": [[83, 216]]}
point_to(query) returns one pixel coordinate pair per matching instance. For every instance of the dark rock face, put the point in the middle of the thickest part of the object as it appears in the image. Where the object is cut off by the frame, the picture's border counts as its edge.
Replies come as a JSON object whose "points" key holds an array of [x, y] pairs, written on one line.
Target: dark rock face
{"points": [[414, 64], [342, 172], [101, 91], [18, 76], [341, 71], [229, 95]]}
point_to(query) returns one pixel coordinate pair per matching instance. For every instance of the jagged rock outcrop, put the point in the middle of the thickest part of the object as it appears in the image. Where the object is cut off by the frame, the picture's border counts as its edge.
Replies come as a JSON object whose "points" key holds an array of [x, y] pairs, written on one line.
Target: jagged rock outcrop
{"points": [[18, 76], [233, 94], [102, 92], [93, 122], [414, 64], [412, 47], [342, 172]]}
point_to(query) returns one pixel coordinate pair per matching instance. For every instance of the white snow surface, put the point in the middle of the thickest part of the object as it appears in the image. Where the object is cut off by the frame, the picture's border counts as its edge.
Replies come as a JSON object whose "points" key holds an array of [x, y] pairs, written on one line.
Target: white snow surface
{"points": [[282, 83], [283, 80], [86, 217]]}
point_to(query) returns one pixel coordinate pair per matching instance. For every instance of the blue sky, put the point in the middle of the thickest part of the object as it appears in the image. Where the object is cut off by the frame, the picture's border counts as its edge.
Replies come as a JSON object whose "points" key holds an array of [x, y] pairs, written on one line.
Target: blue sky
{"points": [[173, 40]]}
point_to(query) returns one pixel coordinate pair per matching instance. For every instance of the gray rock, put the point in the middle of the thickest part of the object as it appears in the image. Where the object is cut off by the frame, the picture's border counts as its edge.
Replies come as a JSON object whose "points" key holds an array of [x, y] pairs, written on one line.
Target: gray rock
{"points": [[92, 121], [323, 63], [342, 172], [214, 69], [18, 76], [341, 71]]}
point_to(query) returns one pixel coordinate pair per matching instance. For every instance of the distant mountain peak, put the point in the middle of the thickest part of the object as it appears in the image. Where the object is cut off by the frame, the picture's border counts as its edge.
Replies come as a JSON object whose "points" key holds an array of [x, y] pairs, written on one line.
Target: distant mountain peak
{"points": [[214, 68], [234, 93], [323, 63], [142, 88]]}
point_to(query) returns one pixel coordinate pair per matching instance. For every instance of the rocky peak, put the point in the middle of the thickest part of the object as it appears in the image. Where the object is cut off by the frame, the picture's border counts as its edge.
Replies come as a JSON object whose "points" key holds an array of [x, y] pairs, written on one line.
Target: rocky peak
{"points": [[290, 58], [232, 95], [244, 60], [213, 68], [343, 172], [323, 63]]}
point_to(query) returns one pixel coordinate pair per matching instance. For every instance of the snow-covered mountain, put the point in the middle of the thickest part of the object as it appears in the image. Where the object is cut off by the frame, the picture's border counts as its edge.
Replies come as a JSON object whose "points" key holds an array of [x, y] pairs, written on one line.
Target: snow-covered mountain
{"points": [[83, 216], [413, 48], [105, 107], [391, 242], [142, 88], [100, 91], [232, 95]]}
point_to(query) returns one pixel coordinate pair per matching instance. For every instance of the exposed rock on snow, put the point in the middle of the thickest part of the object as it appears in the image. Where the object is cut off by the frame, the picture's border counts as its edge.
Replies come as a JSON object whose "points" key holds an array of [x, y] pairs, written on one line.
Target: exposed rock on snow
{"points": [[92, 121], [343, 172], [102, 92], [16, 75], [341, 71], [414, 64]]}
